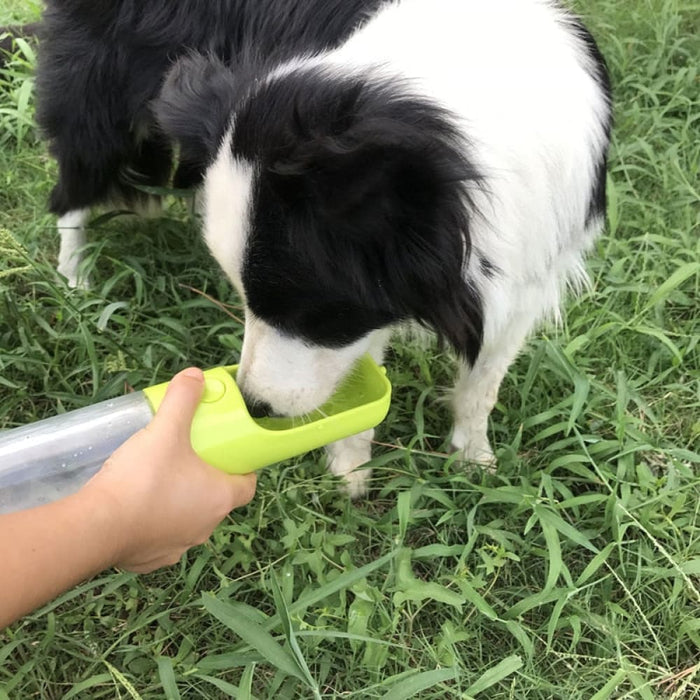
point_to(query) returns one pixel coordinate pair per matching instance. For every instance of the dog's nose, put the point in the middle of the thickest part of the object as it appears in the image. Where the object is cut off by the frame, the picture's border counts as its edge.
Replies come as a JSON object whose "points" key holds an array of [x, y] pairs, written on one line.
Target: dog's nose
{"points": [[257, 408]]}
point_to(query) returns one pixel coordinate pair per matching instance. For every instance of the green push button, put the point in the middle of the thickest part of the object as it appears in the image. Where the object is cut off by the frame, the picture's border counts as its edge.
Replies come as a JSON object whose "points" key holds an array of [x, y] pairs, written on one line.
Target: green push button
{"points": [[214, 389]]}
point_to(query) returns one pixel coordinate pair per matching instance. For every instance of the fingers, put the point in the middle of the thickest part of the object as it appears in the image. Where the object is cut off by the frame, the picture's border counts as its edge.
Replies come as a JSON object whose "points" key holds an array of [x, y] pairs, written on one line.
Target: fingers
{"points": [[237, 490], [233, 491], [242, 488], [180, 401], [148, 565]]}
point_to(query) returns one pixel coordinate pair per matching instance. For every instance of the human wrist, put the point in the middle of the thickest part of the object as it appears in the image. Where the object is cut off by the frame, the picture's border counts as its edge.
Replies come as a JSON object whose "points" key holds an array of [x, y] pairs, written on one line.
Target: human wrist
{"points": [[105, 516]]}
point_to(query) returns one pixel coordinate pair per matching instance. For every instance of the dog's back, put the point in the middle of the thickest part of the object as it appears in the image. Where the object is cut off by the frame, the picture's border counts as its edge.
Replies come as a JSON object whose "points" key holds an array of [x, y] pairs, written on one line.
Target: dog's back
{"points": [[528, 88], [102, 63]]}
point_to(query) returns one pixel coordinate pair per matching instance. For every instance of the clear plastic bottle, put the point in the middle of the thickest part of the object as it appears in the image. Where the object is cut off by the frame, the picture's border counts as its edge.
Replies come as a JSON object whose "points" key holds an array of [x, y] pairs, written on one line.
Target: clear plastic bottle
{"points": [[53, 458]]}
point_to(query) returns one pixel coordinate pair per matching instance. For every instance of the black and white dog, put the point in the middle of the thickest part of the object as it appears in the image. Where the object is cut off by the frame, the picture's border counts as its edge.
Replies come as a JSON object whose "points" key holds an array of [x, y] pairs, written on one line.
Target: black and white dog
{"points": [[363, 163]]}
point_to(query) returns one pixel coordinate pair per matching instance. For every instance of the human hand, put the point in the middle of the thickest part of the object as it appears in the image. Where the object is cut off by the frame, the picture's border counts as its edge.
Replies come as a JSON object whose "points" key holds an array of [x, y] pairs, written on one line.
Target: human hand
{"points": [[161, 497]]}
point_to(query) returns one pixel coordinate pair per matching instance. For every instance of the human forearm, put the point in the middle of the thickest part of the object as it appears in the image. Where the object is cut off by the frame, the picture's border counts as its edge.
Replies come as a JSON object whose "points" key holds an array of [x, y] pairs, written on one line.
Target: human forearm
{"points": [[47, 550]]}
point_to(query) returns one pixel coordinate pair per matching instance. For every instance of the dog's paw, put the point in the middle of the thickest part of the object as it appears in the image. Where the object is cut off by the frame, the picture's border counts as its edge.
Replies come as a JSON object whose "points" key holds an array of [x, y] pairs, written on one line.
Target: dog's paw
{"points": [[475, 449], [356, 483], [76, 282], [71, 272], [345, 459], [80, 283], [348, 467]]}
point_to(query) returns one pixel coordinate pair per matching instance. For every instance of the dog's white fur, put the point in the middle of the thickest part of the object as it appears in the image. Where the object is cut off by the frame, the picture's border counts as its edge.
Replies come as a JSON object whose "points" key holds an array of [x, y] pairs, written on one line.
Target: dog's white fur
{"points": [[71, 229], [524, 98]]}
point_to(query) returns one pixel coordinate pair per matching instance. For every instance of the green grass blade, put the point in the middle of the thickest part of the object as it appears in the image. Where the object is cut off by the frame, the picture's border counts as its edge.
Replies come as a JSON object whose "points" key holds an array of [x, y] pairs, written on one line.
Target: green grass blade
{"points": [[555, 563], [237, 620], [283, 612], [595, 563], [477, 600], [340, 583], [662, 337], [228, 689], [403, 509], [108, 311], [683, 273], [245, 687], [166, 672], [611, 685], [519, 633], [410, 687], [78, 690], [495, 674], [559, 524]]}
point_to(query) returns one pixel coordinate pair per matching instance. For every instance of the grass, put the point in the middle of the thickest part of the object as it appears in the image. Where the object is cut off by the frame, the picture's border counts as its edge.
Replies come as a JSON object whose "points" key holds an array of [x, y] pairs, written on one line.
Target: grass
{"points": [[574, 573]]}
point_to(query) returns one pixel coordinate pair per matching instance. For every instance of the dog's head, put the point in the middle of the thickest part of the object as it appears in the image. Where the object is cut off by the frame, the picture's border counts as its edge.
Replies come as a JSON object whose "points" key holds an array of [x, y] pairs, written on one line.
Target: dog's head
{"points": [[337, 205]]}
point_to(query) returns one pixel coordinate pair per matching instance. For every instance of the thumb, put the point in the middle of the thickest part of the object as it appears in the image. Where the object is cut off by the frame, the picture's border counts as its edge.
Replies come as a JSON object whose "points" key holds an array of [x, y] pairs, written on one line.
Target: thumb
{"points": [[180, 401]]}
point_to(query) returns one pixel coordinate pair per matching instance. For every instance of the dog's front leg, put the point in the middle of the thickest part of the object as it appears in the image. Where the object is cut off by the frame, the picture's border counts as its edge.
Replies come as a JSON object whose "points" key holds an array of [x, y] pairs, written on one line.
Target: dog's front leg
{"points": [[476, 392], [346, 457], [475, 395], [71, 227]]}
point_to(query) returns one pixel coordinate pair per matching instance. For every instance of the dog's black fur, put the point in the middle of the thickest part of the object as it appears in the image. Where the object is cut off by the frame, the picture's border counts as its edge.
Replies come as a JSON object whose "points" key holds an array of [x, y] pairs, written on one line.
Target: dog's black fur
{"points": [[371, 181], [102, 62], [102, 65], [333, 253]]}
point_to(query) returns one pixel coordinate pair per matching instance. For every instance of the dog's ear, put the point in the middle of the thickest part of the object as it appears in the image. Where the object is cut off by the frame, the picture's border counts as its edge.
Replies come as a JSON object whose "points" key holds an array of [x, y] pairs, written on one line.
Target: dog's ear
{"points": [[390, 199], [195, 107]]}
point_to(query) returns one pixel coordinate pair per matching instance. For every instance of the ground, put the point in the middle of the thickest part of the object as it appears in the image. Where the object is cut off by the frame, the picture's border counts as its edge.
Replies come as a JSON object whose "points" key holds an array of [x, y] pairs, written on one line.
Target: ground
{"points": [[572, 573]]}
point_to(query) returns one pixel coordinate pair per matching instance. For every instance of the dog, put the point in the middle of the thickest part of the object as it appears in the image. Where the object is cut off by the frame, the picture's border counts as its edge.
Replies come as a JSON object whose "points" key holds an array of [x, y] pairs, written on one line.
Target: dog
{"points": [[362, 164]]}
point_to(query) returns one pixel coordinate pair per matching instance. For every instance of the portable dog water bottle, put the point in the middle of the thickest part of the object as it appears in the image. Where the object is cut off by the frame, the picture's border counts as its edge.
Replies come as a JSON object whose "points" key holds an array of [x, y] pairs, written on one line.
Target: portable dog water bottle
{"points": [[54, 457]]}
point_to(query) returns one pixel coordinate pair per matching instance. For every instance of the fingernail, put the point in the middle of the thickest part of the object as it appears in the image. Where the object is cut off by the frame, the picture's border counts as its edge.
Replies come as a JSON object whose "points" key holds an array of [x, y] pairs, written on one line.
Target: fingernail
{"points": [[193, 373]]}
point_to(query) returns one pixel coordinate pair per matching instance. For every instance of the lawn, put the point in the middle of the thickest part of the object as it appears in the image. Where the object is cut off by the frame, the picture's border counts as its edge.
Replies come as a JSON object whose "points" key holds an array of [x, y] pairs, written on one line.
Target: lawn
{"points": [[573, 573]]}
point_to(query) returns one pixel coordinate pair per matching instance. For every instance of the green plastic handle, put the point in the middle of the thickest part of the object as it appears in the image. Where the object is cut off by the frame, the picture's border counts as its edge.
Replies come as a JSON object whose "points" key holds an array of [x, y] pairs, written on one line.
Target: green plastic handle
{"points": [[227, 437]]}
